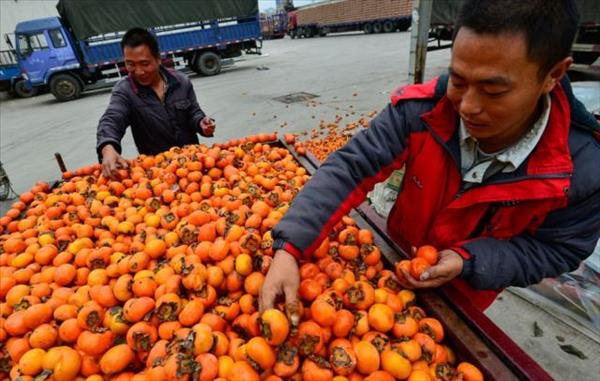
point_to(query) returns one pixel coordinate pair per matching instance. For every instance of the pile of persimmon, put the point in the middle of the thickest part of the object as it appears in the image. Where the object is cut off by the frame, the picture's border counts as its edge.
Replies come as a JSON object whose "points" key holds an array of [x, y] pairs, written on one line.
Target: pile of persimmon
{"points": [[328, 138], [155, 276]]}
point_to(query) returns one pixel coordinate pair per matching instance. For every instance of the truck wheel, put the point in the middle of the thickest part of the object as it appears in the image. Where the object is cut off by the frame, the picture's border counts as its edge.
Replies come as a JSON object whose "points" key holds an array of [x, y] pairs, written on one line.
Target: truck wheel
{"points": [[404, 25], [388, 26], [65, 87], [377, 27], [209, 63], [368, 28], [22, 91], [323, 32], [308, 33]]}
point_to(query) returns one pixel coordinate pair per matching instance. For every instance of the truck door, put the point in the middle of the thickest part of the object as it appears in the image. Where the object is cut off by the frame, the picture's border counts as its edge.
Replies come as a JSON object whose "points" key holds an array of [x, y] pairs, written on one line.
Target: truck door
{"points": [[63, 56], [44, 52], [33, 51]]}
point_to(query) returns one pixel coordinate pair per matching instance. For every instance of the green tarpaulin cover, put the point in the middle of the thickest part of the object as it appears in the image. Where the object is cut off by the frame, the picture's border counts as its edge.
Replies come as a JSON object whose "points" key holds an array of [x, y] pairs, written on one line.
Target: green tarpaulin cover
{"points": [[94, 17], [446, 11]]}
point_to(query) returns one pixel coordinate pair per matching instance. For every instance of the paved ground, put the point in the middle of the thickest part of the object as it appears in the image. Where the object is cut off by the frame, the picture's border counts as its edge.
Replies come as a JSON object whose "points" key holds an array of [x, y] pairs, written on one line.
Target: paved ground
{"points": [[241, 100]]}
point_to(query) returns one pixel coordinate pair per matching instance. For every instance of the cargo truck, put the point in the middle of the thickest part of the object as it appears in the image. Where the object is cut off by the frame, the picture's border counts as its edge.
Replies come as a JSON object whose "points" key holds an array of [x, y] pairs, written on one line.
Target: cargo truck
{"points": [[334, 16], [81, 50], [274, 26], [586, 47], [11, 79]]}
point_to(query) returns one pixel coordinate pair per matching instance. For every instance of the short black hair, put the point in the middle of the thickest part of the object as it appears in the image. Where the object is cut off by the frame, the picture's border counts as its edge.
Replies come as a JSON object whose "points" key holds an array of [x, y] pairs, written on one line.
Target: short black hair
{"points": [[140, 36], [549, 26]]}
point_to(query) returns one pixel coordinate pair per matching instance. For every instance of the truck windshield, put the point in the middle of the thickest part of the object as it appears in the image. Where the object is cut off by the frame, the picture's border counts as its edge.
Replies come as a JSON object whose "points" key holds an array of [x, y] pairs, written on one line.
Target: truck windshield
{"points": [[29, 43]]}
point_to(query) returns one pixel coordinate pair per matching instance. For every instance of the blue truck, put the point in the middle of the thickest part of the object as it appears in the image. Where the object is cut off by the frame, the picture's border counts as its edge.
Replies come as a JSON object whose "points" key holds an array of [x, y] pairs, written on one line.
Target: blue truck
{"points": [[80, 50], [11, 79]]}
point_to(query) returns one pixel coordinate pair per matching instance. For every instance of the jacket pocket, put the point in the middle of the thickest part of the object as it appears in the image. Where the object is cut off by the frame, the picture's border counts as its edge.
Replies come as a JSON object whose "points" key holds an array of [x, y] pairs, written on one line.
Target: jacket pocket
{"points": [[182, 105]]}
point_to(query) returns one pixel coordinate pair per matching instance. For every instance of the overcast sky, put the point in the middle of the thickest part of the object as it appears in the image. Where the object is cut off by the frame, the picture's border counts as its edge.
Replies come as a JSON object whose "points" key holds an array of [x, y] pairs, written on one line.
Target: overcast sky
{"points": [[263, 5]]}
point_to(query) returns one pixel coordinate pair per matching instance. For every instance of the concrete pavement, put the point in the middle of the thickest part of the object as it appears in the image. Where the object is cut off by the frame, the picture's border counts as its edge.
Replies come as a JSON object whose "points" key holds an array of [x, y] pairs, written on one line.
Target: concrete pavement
{"points": [[240, 99]]}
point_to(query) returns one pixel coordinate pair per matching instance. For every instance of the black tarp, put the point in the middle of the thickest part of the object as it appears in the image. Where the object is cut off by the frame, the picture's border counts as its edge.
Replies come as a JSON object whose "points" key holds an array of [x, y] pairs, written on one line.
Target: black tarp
{"points": [[95, 17], [445, 11]]}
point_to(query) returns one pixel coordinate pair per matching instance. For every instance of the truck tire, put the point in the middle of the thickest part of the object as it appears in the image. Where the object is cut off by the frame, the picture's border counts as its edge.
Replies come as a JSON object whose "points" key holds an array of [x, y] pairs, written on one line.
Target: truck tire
{"points": [[388, 26], [208, 63], [323, 32], [65, 87], [368, 28], [22, 91], [308, 33], [404, 25], [377, 27]]}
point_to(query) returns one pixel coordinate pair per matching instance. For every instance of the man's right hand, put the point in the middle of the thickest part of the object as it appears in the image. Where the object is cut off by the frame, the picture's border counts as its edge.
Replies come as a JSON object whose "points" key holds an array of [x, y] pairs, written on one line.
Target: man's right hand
{"points": [[283, 278], [112, 162]]}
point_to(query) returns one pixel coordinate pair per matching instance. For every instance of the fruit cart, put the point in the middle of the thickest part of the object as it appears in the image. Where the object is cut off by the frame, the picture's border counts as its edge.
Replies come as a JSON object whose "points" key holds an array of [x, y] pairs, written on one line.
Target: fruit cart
{"points": [[473, 335], [139, 287]]}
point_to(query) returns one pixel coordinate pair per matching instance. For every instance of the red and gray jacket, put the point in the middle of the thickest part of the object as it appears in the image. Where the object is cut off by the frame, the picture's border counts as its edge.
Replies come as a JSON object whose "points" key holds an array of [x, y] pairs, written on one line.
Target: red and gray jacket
{"points": [[514, 229]]}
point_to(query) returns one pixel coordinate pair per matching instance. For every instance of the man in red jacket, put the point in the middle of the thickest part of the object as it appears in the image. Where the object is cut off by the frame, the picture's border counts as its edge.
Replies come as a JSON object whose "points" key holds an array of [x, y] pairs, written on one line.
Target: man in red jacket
{"points": [[501, 162]]}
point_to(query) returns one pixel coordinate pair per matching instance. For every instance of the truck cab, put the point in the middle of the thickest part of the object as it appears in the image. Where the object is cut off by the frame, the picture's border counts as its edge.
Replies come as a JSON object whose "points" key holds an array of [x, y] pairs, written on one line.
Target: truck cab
{"points": [[44, 49]]}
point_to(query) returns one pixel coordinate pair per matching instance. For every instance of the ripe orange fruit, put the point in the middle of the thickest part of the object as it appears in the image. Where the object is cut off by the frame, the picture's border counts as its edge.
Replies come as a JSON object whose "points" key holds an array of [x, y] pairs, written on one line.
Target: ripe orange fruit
{"points": [[367, 357], [433, 328], [44, 336], [116, 359], [418, 266], [361, 295], [395, 364], [260, 352], [31, 363], [242, 371], [428, 253], [381, 317], [310, 338], [402, 265], [274, 326], [342, 357], [469, 372], [323, 312]]}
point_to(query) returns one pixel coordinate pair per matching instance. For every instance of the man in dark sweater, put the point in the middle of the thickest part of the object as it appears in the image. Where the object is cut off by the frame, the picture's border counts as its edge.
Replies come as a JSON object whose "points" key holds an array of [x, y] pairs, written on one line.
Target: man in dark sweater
{"points": [[159, 104]]}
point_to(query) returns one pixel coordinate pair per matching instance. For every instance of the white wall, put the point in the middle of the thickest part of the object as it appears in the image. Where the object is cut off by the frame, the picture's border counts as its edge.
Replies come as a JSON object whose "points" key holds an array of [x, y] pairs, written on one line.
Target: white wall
{"points": [[15, 11]]}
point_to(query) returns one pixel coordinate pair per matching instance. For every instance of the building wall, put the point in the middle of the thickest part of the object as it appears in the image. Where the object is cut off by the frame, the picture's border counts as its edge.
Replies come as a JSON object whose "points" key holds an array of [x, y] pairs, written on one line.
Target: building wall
{"points": [[15, 11]]}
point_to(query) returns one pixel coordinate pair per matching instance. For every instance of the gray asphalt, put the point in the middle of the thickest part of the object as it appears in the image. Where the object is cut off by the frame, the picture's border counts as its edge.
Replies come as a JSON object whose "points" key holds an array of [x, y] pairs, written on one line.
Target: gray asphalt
{"points": [[240, 99]]}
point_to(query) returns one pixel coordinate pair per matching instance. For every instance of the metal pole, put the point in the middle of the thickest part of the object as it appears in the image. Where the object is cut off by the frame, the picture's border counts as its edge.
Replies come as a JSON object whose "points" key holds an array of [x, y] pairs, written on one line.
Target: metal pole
{"points": [[421, 20]]}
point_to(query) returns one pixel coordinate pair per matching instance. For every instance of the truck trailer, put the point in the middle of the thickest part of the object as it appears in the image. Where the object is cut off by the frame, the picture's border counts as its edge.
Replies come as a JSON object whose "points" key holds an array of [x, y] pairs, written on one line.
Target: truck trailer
{"points": [[334, 16], [274, 26], [81, 50], [585, 50]]}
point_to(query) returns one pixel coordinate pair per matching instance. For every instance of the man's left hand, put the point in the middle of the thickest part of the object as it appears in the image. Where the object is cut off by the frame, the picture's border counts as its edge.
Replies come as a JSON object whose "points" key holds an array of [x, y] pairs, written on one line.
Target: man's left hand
{"points": [[449, 266], [207, 125]]}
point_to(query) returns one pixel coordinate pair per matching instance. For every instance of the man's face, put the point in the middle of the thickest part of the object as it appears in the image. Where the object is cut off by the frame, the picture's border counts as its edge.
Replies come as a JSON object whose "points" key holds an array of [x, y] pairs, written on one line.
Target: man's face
{"points": [[141, 64], [494, 86]]}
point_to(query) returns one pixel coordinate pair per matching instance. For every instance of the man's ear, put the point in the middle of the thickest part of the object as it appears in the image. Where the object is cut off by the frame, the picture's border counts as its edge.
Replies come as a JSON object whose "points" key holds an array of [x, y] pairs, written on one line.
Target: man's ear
{"points": [[556, 74]]}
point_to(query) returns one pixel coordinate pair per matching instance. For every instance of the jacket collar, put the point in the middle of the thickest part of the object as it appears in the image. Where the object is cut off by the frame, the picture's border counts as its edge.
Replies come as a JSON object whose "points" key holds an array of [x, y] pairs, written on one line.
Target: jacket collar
{"points": [[550, 156]]}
